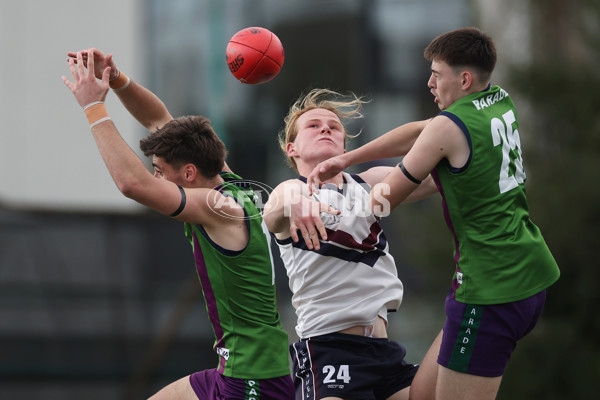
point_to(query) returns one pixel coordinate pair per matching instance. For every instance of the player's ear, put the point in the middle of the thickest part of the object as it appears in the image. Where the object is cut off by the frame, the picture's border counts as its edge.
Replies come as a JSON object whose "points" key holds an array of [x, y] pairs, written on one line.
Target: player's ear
{"points": [[290, 149], [190, 172], [466, 79]]}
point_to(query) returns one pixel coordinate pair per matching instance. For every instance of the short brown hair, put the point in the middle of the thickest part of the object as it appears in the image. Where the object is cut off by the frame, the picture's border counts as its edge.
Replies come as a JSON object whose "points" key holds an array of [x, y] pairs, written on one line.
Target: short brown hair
{"points": [[189, 139], [344, 106], [464, 47]]}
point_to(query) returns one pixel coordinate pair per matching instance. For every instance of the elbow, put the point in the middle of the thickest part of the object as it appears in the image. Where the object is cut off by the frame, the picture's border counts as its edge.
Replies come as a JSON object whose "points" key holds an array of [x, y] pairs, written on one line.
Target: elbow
{"points": [[129, 188]]}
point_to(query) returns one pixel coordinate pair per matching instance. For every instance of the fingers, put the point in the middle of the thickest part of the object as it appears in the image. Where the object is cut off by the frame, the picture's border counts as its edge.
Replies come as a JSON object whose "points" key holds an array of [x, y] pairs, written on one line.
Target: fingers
{"points": [[84, 86], [106, 75], [313, 182], [324, 208], [313, 185], [73, 56], [80, 67], [311, 237], [294, 233], [73, 70], [314, 179], [322, 232], [311, 229], [329, 210], [314, 239], [67, 82], [90, 60], [84, 55]]}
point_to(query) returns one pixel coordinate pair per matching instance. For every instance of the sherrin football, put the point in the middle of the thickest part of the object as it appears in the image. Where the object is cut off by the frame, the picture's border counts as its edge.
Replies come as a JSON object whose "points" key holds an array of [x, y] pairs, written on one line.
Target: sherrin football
{"points": [[254, 55]]}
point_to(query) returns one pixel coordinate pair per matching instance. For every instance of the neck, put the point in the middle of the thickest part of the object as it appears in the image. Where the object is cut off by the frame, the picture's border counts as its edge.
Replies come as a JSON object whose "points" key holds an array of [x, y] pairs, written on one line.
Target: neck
{"points": [[479, 88], [208, 183], [215, 181]]}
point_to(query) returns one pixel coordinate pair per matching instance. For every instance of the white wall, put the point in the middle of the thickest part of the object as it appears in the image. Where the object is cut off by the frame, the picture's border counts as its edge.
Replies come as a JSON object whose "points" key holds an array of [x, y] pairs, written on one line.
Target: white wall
{"points": [[48, 159]]}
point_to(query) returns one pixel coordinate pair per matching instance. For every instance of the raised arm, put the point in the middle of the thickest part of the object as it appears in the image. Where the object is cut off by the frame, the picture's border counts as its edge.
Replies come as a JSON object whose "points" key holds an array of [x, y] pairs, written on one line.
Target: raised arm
{"points": [[394, 143], [141, 103], [127, 169], [441, 139]]}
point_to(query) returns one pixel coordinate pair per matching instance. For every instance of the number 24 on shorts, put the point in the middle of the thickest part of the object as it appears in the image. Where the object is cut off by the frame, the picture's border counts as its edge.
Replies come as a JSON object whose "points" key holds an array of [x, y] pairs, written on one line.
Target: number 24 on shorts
{"points": [[343, 374]]}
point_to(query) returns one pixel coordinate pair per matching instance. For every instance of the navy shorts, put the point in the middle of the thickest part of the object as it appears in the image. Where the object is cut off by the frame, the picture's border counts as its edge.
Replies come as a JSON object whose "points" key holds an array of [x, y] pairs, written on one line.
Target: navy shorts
{"points": [[479, 339], [350, 367], [211, 385]]}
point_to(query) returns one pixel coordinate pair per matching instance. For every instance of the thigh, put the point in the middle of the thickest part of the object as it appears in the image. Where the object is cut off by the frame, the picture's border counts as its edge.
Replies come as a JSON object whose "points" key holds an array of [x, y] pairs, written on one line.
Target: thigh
{"points": [[479, 339], [180, 389], [423, 386], [453, 385]]}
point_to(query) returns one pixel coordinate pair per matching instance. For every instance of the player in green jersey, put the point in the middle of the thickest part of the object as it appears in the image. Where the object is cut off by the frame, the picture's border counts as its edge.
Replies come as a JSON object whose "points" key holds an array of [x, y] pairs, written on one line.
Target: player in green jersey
{"points": [[192, 183], [472, 148]]}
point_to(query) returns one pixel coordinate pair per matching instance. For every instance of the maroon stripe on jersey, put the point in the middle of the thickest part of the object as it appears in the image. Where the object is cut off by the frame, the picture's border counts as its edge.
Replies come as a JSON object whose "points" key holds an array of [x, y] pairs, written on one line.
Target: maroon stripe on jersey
{"points": [[450, 225], [371, 242], [211, 301]]}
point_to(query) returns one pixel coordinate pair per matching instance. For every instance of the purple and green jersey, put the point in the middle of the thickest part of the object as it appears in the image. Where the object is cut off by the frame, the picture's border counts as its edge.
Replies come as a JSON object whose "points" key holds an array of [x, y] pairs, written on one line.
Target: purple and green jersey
{"points": [[499, 252], [239, 290]]}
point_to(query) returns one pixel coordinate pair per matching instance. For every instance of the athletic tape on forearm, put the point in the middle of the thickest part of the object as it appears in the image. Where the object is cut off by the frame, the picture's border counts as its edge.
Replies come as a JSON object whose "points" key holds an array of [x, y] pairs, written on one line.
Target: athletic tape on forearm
{"points": [[96, 113], [120, 82]]}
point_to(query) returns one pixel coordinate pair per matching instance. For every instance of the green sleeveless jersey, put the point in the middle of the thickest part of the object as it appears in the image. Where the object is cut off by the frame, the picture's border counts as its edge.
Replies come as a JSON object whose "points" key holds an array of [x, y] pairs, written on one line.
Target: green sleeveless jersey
{"points": [[239, 290], [500, 253]]}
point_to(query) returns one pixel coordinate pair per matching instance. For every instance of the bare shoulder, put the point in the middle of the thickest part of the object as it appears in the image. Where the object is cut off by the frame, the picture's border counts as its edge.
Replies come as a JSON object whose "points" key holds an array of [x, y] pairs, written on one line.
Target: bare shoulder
{"points": [[444, 137], [440, 126], [290, 187]]}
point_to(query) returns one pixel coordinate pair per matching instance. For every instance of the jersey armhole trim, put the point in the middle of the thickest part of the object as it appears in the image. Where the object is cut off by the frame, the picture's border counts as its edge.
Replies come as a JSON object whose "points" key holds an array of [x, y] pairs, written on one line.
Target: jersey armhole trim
{"points": [[465, 131]]}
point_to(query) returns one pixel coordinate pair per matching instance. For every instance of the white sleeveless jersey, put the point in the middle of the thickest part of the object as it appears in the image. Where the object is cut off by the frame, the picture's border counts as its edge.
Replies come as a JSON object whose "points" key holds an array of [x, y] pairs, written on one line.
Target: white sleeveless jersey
{"points": [[352, 278]]}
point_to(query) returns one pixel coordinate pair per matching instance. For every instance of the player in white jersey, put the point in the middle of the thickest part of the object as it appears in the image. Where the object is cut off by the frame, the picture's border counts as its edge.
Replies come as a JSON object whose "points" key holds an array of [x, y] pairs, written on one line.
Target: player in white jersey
{"points": [[343, 279], [352, 275]]}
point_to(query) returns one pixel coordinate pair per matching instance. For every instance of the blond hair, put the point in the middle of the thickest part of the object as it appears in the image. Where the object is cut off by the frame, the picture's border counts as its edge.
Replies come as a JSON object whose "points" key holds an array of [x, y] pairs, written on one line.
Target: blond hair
{"points": [[344, 106]]}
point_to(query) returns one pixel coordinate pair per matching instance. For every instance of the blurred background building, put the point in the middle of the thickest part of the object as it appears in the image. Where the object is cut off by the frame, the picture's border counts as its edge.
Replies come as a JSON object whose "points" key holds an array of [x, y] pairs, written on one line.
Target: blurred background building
{"points": [[98, 295]]}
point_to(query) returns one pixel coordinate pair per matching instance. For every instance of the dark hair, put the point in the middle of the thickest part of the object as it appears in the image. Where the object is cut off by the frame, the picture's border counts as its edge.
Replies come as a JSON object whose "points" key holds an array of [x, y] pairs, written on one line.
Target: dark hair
{"points": [[184, 140], [464, 47]]}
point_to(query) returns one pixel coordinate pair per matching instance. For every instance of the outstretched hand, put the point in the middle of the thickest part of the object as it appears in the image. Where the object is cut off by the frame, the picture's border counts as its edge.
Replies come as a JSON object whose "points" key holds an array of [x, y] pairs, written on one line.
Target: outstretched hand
{"points": [[85, 87], [101, 61], [323, 171], [305, 216]]}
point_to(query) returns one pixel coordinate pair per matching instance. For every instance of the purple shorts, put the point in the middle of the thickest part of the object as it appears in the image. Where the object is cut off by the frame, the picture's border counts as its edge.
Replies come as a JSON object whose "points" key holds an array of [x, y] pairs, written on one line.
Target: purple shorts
{"points": [[479, 339], [211, 385]]}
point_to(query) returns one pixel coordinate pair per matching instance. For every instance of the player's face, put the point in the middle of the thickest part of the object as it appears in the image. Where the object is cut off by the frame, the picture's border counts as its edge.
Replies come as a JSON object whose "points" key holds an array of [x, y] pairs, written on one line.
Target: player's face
{"points": [[164, 170], [320, 136], [445, 84]]}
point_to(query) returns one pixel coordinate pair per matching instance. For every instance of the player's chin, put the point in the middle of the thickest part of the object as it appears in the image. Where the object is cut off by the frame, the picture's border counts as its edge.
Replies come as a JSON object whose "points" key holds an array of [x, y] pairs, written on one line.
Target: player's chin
{"points": [[331, 151]]}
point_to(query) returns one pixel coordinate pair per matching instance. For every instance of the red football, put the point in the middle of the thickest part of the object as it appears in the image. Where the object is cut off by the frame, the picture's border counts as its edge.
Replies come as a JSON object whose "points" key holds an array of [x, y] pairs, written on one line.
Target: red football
{"points": [[254, 55]]}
